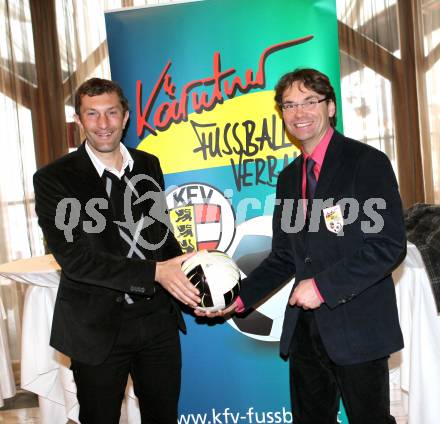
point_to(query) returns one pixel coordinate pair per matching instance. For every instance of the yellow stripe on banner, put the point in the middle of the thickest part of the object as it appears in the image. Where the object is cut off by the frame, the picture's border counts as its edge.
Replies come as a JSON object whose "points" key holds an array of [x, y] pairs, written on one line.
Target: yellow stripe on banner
{"points": [[247, 126]]}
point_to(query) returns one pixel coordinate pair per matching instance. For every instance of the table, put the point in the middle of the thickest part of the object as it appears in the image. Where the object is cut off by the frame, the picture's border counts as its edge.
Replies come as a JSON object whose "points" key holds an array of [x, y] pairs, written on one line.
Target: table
{"points": [[45, 371], [418, 364], [7, 383], [415, 369]]}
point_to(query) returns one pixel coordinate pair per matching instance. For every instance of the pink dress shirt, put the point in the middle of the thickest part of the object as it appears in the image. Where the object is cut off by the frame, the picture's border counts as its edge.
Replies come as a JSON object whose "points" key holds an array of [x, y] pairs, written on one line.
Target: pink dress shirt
{"points": [[318, 156]]}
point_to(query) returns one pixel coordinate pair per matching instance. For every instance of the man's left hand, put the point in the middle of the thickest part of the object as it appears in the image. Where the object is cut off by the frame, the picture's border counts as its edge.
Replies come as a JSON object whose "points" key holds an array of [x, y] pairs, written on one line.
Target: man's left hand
{"points": [[305, 296], [229, 310]]}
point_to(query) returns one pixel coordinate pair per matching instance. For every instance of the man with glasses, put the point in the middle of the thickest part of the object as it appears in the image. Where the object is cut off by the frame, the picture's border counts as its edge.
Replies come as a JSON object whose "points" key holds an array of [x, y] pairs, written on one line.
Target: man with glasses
{"points": [[341, 321]]}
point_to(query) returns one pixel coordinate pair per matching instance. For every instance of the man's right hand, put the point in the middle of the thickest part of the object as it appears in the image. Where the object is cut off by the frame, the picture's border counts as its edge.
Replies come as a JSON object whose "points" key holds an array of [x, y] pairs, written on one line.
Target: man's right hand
{"points": [[171, 277]]}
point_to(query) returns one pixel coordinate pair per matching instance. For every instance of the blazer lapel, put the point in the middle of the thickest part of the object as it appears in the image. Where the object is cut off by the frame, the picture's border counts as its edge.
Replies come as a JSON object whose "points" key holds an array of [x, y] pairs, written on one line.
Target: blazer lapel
{"points": [[91, 183], [295, 193], [297, 187], [92, 187]]}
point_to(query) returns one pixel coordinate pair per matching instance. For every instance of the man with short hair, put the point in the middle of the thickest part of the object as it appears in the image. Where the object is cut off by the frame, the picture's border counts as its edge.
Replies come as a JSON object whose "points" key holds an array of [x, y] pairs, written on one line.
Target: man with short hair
{"points": [[115, 312], [341, 321]]}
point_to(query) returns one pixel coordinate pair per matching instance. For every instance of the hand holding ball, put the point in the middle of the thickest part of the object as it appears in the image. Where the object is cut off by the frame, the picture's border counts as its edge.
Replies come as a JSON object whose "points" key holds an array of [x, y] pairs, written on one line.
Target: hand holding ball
{"points": [[216, 276]]}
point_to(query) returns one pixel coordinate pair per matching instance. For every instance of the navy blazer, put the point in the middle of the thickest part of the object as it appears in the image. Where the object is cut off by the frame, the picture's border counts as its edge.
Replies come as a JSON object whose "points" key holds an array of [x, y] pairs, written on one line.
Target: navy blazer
{"points": [[359, 320], [95, 273]]}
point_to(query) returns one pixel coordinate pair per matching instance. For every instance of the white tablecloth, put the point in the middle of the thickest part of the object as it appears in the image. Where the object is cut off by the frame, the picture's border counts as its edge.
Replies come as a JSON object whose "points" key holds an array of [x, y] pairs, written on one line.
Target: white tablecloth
{"points": [[419, 361], [46, 372], [7, 383]]}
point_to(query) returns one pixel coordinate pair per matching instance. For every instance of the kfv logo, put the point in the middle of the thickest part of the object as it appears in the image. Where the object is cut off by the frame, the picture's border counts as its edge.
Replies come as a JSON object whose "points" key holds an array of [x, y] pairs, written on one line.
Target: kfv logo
{"points": [[201, 216]]}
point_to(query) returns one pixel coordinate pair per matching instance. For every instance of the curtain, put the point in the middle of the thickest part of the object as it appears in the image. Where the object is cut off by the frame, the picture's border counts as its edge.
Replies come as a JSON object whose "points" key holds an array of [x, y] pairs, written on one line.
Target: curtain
{"points": [[19, 234], [372, 62], [430, 81], [366, 94]]}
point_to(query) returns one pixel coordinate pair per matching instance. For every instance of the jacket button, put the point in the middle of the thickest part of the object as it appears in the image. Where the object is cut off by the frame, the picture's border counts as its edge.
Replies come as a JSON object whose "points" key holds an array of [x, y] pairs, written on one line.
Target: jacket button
{"points": [[119, 299], [308, 260]]}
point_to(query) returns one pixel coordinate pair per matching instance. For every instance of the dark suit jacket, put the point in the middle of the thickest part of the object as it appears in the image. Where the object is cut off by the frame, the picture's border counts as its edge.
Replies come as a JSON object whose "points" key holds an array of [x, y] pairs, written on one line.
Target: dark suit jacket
{"points": [[95, 273], [358, 321]]}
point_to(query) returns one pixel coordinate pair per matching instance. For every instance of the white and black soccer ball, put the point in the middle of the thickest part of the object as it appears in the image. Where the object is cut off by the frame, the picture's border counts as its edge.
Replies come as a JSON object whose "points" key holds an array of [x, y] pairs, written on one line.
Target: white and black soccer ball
{"points": [[252, 243], [216, 276]]}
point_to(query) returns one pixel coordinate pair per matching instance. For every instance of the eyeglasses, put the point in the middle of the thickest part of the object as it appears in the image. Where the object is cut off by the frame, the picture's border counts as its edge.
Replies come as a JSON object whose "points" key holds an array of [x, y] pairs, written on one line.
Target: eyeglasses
{"points": [[309, 105]]}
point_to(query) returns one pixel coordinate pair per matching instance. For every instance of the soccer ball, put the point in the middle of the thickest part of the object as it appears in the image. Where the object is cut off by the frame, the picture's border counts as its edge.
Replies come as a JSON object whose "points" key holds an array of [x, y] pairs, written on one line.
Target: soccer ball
{"points": [[252, 243], [216, 276]]}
